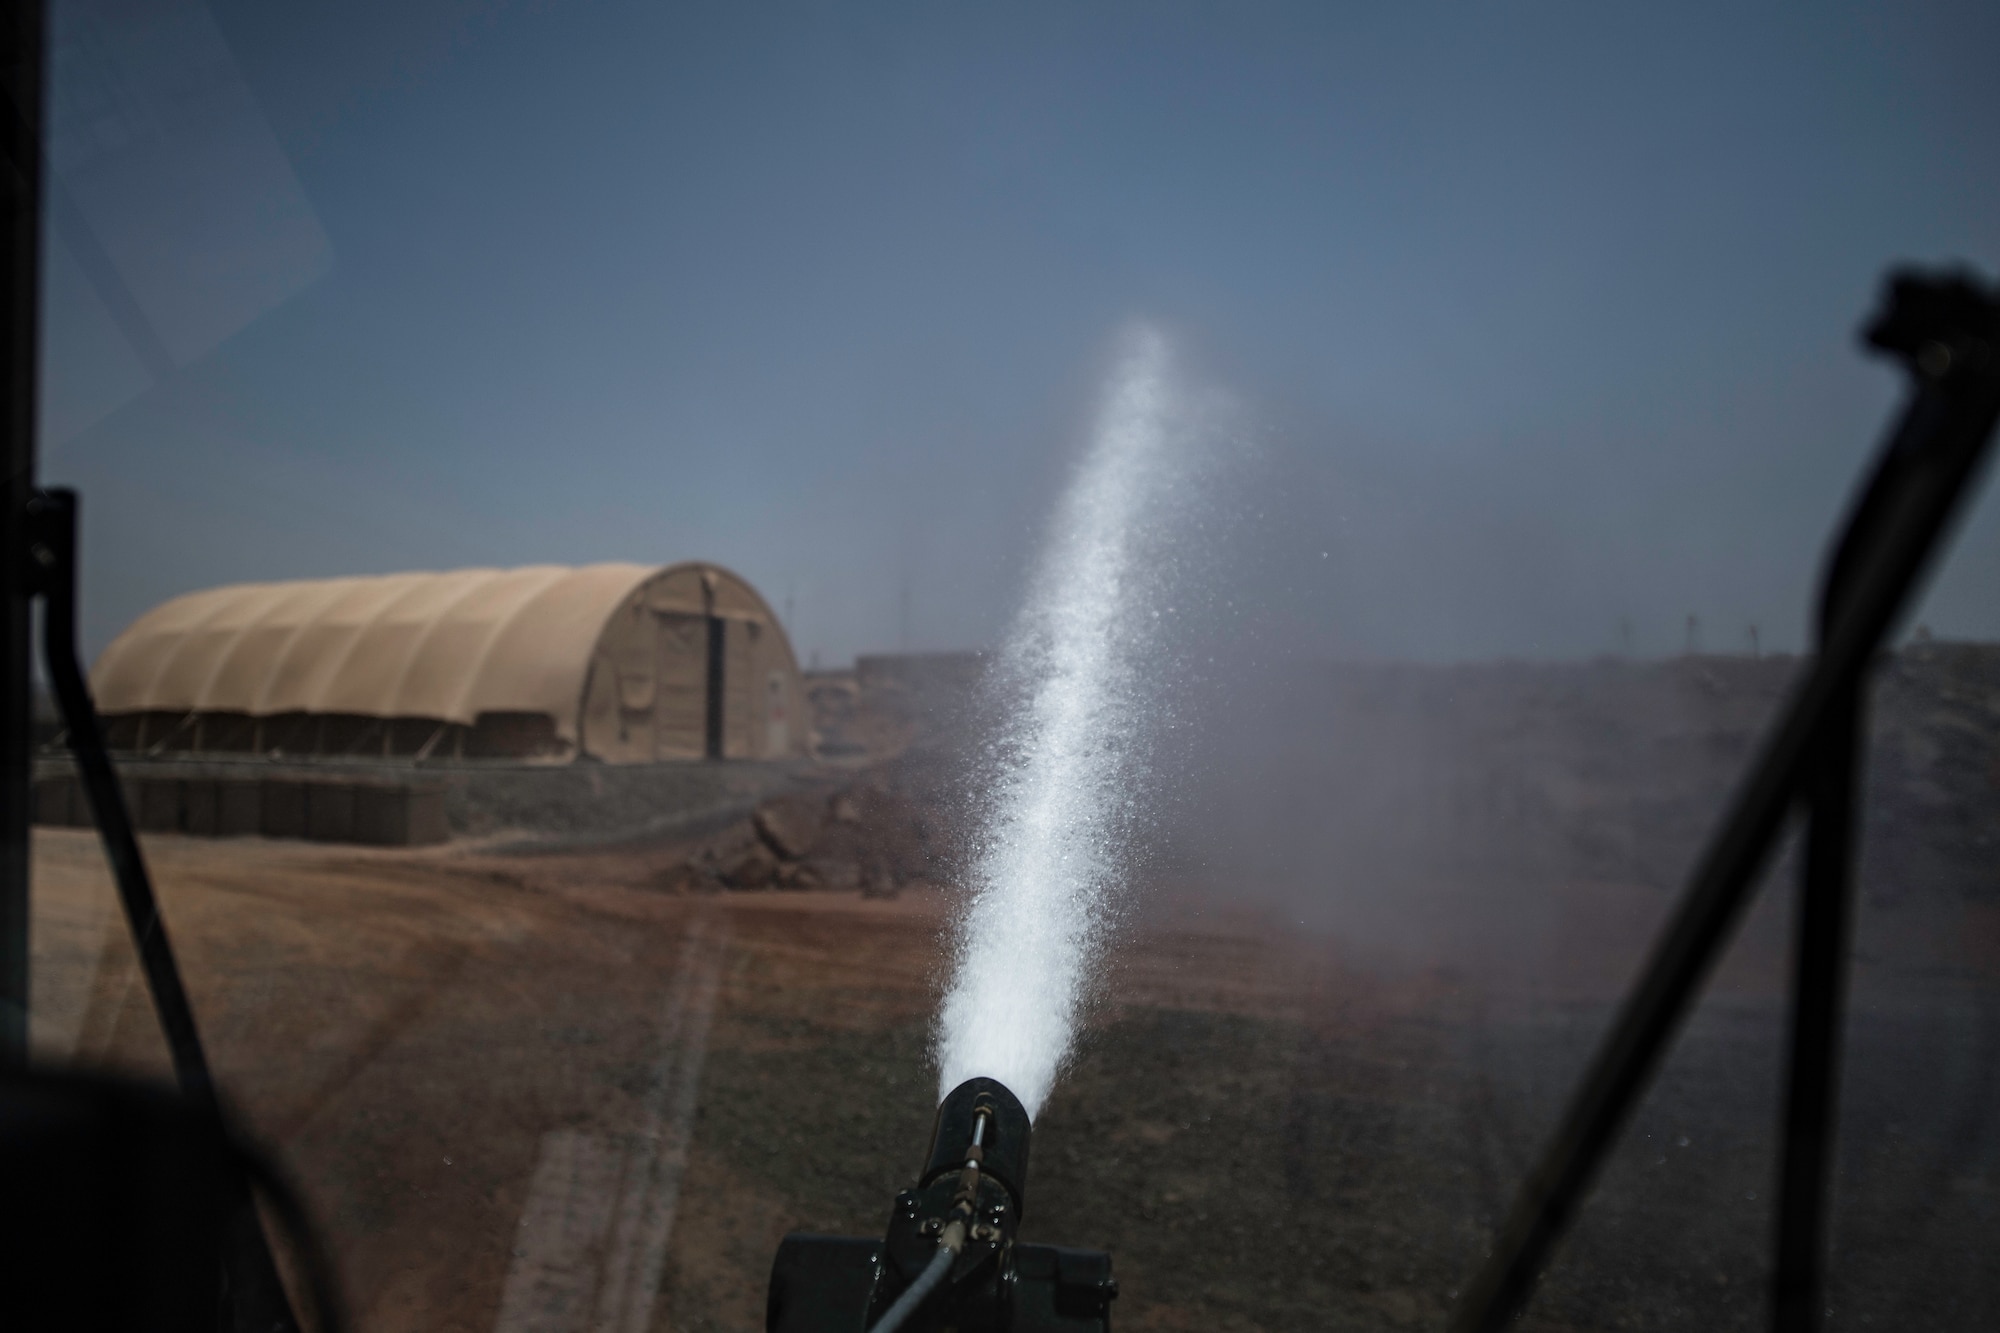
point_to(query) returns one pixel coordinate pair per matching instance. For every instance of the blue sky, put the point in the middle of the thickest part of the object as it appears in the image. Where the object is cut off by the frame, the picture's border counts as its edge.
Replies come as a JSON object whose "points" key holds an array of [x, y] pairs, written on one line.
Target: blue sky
{"points": [[1539, 317]]}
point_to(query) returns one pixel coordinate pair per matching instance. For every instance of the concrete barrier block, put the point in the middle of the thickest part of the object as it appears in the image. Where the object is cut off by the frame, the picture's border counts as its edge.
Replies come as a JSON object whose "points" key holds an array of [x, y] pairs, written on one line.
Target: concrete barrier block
{"points": [[381, 816], [284, 808], [158, 809], [388, 816], [60, 803], [428, 825], [329, 811], [239, 807], [199, 814]]}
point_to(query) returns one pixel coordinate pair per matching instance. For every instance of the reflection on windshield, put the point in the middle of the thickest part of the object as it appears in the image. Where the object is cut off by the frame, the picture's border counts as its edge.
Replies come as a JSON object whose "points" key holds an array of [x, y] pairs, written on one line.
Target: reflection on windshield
{"points": [[666, 587]]}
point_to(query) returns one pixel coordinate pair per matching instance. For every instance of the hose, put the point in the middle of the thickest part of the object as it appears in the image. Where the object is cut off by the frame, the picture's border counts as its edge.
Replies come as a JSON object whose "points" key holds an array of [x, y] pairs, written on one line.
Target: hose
{"points": [[949, 1244], [906, 1304]]}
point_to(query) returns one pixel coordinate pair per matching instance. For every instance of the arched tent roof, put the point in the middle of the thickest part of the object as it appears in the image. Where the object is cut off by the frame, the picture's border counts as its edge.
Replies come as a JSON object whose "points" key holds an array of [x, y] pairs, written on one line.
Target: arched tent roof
{"points": [[448, 646]]}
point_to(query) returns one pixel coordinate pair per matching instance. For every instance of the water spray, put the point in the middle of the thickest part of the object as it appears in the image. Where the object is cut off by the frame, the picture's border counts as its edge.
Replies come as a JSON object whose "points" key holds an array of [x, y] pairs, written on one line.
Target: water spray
{"points": [[1066, 778]]}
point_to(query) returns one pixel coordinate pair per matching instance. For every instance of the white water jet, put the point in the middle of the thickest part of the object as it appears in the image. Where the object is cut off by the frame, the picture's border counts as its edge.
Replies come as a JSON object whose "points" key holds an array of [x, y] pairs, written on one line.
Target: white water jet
{"points": [[1068, 776]]}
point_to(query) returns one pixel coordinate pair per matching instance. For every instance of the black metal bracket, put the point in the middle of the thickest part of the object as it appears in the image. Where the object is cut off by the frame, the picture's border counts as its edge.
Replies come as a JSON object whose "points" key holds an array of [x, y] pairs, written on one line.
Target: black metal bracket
{"points": [[50, 572], [47, 570], [1945, 330]]}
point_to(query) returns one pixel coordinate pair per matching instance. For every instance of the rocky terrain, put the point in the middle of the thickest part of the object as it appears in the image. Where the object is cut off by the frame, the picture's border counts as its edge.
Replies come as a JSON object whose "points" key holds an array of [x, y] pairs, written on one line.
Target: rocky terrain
{"points": [[878, 834]]}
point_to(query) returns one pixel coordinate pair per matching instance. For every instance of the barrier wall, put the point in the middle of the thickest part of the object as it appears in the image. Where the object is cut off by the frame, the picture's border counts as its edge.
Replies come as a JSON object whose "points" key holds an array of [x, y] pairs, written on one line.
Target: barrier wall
{"points": [[379, 814], [398, 804]]}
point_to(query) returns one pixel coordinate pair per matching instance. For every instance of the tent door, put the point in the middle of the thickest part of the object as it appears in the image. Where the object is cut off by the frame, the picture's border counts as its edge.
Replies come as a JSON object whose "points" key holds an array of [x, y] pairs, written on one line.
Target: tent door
{"points": [[717, 640], [680, 704]]}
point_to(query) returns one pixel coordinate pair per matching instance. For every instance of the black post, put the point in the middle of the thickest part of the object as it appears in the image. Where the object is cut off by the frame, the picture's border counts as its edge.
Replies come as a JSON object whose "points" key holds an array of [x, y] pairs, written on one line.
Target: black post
{"points": [[1831, 790], [255, 1298], [22, 62], [1819, 966], [52, 555]]}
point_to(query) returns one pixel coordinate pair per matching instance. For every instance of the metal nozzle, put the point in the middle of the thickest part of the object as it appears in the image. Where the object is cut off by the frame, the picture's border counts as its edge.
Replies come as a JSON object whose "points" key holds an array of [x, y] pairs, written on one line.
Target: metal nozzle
{"points": [[949, 1259], [981, 1122]]}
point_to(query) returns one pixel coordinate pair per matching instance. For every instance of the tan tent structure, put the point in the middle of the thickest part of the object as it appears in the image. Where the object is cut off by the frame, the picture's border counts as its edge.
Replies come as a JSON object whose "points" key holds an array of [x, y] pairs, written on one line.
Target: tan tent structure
{"points": [[620, 663]]}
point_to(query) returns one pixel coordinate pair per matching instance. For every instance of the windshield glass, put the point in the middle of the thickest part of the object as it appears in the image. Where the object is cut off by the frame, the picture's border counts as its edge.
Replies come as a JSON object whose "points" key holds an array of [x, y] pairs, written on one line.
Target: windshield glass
{"points": [[668, 584]]}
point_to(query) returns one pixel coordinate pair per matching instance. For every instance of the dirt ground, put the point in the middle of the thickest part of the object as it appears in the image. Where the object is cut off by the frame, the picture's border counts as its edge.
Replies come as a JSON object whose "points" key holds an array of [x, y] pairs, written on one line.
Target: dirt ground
{"points": [[543, 1093]]}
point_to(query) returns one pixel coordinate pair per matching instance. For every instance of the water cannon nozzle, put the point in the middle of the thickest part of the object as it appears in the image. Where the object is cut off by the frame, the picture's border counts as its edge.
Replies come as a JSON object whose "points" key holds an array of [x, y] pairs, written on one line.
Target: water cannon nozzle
{"points": [[949, 1258]]}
